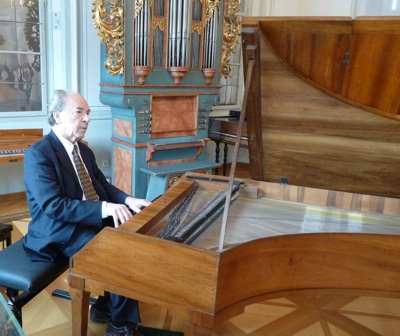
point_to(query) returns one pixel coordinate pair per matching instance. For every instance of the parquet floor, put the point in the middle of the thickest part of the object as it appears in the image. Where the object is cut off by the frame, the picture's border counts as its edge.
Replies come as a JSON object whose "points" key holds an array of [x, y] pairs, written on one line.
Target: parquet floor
{"points": [[327, 315]]}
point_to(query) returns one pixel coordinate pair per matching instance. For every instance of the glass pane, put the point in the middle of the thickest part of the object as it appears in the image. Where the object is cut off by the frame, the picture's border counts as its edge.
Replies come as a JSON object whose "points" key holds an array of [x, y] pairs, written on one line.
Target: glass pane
{"points": [[34, 99], [27, 10], [7, 10], [11, 99], [230, 87], [20, 60], [20, 82], [28, 37], [8, 36], [8, 68]]}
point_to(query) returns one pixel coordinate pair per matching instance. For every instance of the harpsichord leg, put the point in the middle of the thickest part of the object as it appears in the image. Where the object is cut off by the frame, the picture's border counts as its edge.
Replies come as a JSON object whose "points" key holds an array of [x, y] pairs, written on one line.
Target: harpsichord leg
{"points": [[201, 331], [80, 309], [203, 323]]}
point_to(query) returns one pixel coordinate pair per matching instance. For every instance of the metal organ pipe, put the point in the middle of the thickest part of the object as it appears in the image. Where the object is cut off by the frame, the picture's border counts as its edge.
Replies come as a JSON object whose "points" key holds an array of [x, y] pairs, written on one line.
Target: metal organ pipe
{"points": [[146, 34], [172, 33], [179, 22], [186, 31], [179, 32], [142, 36], [210, 41], [214, 38]]}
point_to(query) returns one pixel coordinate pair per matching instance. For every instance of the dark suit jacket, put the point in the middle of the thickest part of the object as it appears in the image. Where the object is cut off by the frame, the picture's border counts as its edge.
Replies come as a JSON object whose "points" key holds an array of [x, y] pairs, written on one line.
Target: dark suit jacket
{"points": [[55, 196]]}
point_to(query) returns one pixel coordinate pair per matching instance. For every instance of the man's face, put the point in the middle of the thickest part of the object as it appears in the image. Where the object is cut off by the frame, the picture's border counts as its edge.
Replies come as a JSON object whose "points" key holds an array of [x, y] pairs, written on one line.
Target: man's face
{"points": [[73, 120]]}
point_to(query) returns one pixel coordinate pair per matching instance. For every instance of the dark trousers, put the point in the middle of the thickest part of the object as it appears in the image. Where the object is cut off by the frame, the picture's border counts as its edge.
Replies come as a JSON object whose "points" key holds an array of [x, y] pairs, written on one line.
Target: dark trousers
{"points": [[122, 309]]}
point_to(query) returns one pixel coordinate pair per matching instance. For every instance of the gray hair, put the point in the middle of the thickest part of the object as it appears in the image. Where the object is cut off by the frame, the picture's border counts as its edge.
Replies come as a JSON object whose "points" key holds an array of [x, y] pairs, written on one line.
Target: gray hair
{"points": [[56, 104]]}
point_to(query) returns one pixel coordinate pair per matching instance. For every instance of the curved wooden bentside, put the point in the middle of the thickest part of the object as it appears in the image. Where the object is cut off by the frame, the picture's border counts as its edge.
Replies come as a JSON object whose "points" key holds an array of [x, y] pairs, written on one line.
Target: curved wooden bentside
{"points": [[311, 119], [206, 287], [324, 110]]}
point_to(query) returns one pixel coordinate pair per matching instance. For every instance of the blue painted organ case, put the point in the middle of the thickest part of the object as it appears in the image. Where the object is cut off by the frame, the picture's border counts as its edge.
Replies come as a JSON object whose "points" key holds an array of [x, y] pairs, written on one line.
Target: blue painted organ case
{"points": [[161, 64]]}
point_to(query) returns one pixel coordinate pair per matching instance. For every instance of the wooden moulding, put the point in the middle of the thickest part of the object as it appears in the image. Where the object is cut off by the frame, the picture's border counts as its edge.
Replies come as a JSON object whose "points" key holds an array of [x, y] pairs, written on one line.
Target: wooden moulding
{"points": [[245, 274], [209, 74], [177, 73], [151, 147], [206, 287], [141, 73]]}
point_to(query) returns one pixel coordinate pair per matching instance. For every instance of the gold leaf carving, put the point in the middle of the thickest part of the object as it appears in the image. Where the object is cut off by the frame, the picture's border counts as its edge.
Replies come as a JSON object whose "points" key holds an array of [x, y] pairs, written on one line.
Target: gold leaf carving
{"points": [[108, 18], [231, 33], [197, 29], [138, 6], [158, 24], [211, 5]]}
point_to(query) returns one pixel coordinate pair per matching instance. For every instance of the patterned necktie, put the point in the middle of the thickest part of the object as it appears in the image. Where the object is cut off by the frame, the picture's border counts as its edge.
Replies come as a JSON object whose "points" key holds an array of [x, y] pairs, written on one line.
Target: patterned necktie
{"points": [[86, 183]]}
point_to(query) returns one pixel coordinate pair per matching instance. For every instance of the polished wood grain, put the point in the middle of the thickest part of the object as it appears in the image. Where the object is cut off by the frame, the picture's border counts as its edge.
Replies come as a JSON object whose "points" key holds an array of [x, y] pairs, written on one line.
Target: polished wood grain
{"points": [[356, 59], [13, 206], [306, 315], [17, 139], [173, 116], [301, 129], [328, 261]]}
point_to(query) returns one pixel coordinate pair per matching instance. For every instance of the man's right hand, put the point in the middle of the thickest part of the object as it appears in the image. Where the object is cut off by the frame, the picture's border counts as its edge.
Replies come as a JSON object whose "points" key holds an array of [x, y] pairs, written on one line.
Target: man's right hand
{"points": [[119, 212]]}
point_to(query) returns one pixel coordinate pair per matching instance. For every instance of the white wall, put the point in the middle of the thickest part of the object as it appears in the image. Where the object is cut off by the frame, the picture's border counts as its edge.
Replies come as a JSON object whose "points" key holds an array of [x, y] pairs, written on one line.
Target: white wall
{"points": [[312, 8], [323, 7]]}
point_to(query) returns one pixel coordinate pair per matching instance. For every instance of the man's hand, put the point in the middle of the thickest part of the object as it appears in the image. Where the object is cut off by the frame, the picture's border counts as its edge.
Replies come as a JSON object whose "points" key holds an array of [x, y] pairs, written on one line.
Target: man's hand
{"points": [[119, 212], [136, 204]]}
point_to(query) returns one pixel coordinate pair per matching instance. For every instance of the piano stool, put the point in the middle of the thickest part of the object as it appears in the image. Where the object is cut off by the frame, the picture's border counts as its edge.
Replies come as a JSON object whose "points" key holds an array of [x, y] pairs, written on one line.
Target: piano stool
{"points": [[5, 234], [159, 175], [23, 278]]}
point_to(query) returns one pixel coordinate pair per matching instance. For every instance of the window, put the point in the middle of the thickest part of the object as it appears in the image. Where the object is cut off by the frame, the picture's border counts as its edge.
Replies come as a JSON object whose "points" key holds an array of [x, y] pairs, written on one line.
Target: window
{"points": [[232, 86], [21, 55]]}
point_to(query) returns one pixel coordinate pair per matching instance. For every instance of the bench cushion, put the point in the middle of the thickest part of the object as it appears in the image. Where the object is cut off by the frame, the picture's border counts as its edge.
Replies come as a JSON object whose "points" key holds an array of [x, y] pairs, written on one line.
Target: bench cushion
{"points": [[18, 272]]}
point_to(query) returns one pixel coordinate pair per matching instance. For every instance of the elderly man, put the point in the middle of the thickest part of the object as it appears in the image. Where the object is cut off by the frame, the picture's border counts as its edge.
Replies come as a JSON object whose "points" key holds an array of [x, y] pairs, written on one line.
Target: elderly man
{"points": [[70, 201]]}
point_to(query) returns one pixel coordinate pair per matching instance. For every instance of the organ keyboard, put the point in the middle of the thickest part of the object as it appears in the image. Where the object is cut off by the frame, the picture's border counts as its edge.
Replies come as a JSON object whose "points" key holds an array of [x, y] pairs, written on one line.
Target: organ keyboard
{"points": [[14, 142]]}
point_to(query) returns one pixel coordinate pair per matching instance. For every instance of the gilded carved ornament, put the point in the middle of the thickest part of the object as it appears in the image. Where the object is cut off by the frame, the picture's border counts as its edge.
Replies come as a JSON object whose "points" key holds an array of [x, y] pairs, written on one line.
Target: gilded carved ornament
{"points": [[197, 29], [231, 33], [158, 24], [139, 6], [109, 20], [210, 8]]}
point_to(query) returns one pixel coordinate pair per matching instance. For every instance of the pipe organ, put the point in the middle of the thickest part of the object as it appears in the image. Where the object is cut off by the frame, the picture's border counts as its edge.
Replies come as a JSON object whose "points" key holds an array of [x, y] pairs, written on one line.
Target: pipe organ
{"points": [[160, 76]]}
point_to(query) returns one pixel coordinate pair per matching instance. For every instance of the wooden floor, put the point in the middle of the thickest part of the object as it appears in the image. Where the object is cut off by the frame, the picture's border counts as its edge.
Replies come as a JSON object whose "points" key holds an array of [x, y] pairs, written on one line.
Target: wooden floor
{"points": [[328, 315]]}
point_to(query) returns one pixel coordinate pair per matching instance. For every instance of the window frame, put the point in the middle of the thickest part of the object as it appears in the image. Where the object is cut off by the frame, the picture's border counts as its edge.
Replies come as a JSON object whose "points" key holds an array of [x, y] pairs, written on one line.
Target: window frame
{"points": [[223, 109], [42, 5]]}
